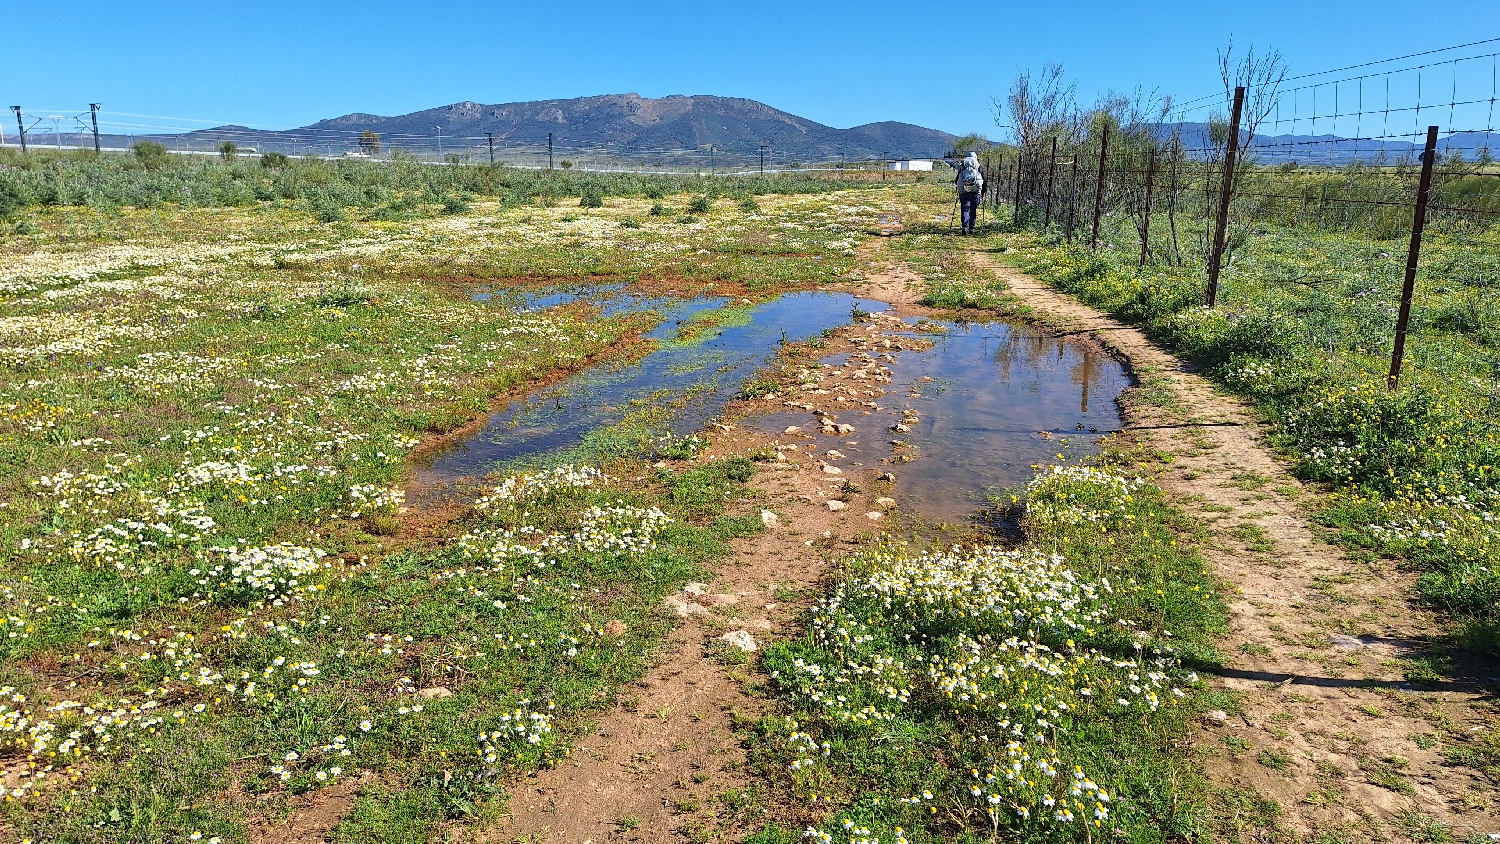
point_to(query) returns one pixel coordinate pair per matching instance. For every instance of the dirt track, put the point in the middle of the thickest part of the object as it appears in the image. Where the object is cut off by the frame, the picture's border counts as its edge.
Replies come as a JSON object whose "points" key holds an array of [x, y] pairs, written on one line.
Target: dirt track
{"points": [[1315, 638]]}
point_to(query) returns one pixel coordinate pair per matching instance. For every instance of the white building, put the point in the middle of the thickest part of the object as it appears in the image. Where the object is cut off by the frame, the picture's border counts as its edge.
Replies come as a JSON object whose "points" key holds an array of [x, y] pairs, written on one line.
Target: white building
{"points": [[914, 164]]}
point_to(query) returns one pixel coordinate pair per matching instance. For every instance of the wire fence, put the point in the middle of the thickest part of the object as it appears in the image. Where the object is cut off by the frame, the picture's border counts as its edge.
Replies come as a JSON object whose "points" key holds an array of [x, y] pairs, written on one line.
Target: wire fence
{"points": [[1304, 172]]}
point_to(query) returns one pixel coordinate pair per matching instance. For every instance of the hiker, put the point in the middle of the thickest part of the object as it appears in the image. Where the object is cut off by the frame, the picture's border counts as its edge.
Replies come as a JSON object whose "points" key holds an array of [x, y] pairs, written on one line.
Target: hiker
{"points": [[970, 185]]}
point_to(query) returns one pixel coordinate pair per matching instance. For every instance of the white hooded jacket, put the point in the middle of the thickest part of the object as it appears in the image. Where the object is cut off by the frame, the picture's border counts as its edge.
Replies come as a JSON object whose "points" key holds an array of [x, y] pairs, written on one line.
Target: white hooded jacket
{"points": [[970, 165]]}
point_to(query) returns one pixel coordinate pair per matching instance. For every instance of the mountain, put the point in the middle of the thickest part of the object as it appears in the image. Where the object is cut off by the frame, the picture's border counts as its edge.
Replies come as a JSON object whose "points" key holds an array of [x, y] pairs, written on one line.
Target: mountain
{"points": [[615, 125], [1333, 149]]}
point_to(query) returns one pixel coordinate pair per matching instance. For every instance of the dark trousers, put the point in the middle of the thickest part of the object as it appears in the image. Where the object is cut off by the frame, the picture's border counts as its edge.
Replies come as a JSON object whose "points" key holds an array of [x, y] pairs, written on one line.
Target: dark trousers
{"points": [[968, 204]]}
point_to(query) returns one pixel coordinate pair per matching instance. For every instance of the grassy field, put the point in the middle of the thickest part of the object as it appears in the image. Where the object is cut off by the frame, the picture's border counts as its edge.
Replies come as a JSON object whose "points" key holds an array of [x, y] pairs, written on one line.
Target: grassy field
{"points": [[205, 420], [215, 599], [1304, 329]]}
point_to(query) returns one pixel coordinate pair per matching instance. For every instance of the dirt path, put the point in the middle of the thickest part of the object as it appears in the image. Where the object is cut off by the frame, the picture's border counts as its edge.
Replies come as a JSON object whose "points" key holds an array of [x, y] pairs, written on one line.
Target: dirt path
{"points": [[1329, 729]]}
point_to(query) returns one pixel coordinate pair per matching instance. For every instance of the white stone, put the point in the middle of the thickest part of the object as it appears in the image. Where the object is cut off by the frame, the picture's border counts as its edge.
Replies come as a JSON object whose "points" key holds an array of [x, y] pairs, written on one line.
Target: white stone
{"points": [[836, 505], [832, 470], [874, 515], [739, 639], [767, 518], [886, 502], [684, 607]]}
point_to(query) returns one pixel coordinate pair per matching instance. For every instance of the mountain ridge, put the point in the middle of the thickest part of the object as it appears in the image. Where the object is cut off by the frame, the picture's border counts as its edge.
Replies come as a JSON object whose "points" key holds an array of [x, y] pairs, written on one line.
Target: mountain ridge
{"points": [[627, 123]]}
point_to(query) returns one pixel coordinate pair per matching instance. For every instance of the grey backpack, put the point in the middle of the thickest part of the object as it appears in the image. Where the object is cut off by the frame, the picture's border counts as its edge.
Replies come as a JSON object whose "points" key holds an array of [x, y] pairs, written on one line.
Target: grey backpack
{"points": [[969, 180]]}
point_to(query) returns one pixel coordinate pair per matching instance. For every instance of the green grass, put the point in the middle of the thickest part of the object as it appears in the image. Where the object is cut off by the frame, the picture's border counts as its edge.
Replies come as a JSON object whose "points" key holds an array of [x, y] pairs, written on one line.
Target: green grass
{"points": [[206, 417], [1413, 472], [911, 676]]}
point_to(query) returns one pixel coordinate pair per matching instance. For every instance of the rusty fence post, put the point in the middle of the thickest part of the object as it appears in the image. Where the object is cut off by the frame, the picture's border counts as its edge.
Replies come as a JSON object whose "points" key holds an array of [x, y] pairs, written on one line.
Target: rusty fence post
{"points": [[1226, 193], [1413, 252], [1099, 187]]}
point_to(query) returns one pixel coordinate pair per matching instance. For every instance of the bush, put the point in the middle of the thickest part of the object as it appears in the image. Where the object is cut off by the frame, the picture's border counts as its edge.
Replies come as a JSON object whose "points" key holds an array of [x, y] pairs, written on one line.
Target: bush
{"points": [[11, 200], [151, 155], [658, 210], [273, 161], [591, 200], [749, 205], [228, 150], [455, 205], [326, 208], [701, 205]]}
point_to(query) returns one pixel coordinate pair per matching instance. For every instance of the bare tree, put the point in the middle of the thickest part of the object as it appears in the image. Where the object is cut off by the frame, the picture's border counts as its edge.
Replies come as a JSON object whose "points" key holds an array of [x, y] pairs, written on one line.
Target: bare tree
{"points": [[1261, 76], [1039, 106], [1141, 138]]}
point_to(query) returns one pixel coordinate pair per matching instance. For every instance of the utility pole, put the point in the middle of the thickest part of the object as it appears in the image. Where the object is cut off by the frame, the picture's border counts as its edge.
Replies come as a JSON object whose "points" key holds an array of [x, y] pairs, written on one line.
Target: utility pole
{"points": [[1413, 252], [549, 150], [94, 115], [763, 159], [490, 136], [1099, 187], [1226, 193], [440, 142], [21, 126]]}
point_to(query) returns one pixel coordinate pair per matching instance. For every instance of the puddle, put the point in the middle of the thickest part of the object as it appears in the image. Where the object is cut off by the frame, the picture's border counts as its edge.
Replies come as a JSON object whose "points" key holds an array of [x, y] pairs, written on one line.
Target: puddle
{"points": [[1000, 399], [678, 388]]}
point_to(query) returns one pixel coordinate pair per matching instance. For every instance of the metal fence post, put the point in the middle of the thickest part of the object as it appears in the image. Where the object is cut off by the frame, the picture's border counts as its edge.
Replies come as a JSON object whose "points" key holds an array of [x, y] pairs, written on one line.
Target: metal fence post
{"points": [[1099, 187], [1413, 252], [1226, 193]]}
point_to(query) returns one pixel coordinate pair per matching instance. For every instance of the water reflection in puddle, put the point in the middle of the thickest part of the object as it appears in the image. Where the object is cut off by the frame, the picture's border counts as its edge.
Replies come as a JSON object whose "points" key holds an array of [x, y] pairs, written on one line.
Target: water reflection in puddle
{"points": [[677, 388], [1001, 398]]}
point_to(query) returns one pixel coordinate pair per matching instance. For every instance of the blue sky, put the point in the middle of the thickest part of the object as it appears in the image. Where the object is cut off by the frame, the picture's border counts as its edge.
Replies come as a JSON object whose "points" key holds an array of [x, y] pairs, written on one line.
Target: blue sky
{"points": [[280, 65]]}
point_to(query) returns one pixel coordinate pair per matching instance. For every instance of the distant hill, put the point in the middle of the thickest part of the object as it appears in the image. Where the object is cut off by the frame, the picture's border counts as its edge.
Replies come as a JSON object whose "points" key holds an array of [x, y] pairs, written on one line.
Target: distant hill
{"points": [[623, 125], [1336, 150]]}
